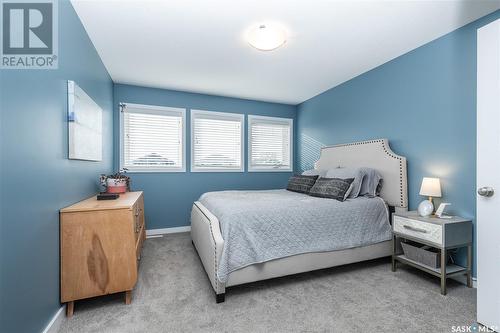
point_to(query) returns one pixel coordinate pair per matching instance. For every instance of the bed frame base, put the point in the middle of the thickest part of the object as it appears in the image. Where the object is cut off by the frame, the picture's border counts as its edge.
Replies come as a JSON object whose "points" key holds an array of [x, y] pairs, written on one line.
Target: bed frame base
{"points": [[208, 243], [219, 298]]}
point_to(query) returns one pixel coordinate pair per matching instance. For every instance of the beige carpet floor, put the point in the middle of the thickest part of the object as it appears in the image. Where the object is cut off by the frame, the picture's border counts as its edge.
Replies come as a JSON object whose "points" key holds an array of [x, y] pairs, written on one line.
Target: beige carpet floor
{"points": [[173, 294]]}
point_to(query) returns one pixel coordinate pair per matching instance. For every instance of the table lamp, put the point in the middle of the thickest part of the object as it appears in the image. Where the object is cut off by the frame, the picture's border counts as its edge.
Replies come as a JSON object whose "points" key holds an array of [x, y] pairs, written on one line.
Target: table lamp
{"points": [[431, 187]]}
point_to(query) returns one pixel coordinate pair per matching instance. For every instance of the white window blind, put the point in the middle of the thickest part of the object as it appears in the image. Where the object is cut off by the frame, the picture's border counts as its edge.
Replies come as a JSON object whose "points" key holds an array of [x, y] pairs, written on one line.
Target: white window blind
{"points": [[152, 138], [270, 143], [216, 141]]}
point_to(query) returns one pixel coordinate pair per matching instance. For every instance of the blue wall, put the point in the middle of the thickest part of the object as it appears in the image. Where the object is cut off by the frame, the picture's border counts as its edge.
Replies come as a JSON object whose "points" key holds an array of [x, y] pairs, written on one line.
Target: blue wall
{"points": [[424, 102], [38, 179], [169, 196]]}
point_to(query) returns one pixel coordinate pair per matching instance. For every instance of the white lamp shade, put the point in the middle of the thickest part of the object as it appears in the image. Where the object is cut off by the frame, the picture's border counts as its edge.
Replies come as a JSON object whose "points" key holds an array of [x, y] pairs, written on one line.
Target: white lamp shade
{"points": [[431, 187]]}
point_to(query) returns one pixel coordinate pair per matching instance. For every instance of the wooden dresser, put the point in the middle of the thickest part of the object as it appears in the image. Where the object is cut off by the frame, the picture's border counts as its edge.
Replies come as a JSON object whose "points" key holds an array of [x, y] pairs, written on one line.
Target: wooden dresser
{"points": [[101, 245]]}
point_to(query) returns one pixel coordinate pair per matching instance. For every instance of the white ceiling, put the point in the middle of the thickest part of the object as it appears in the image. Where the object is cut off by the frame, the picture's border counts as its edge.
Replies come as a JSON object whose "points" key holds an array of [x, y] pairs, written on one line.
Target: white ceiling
{"points": [[199, 46]]}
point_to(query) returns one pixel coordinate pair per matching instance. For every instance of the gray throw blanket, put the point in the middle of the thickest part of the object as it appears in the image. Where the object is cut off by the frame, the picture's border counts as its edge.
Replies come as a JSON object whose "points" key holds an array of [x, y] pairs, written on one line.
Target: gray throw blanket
{"points": [[259, 226]]}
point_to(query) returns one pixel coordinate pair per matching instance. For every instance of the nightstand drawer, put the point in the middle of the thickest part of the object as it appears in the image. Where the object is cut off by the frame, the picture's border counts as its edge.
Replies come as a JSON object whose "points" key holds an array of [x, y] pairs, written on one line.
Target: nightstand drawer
{"points": [[418, 229]]}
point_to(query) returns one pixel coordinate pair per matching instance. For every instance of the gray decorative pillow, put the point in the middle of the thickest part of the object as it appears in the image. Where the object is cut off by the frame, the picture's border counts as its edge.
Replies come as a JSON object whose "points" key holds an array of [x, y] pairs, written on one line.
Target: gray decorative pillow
{"points": [[301, 184], [315, 172], [372, 182], [343, 173], [333, 188]]}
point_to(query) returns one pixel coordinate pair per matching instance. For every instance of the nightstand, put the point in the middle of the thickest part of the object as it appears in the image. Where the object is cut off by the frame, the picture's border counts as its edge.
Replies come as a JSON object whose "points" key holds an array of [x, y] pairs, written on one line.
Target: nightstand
{"points": [[438, 233]]}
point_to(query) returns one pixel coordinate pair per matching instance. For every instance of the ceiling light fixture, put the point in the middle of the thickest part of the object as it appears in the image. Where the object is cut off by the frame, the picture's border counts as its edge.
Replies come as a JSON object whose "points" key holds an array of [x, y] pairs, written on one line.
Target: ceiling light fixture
{"points": [[266, 37]]}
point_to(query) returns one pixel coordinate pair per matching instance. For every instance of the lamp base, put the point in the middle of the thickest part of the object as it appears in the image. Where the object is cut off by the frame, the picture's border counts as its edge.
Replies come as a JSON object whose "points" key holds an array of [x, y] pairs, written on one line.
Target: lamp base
{"points": [[425, 208]]}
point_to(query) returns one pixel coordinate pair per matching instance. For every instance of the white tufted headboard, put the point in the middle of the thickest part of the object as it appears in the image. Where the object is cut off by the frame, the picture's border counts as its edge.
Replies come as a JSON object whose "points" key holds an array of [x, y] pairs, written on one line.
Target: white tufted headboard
{"points": [[375, 154]]}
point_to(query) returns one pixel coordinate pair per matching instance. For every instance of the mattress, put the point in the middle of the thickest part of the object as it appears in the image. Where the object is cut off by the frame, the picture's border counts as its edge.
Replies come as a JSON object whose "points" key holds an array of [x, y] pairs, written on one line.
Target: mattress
{"points": [[259, 226]]}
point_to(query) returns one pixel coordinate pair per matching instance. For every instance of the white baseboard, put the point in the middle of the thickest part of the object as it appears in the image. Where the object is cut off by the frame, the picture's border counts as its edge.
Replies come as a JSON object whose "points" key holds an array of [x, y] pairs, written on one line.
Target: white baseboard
{"points": [[164, 231], [56, 321]]}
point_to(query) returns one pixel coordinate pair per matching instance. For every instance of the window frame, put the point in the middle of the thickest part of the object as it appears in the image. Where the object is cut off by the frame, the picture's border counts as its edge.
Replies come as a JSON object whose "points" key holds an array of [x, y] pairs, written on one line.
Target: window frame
{"points": [[221, 115], [289, 121], [152, 109]]}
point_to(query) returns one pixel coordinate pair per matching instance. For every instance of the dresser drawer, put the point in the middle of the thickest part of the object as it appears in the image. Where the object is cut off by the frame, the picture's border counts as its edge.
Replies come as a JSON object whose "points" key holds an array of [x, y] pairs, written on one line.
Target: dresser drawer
{"points": [[140, 242], [418, 229], [138, 212]]}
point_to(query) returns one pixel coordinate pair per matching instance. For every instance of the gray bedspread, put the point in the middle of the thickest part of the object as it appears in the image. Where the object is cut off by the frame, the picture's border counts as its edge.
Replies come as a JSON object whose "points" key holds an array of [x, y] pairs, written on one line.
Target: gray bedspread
{"points": [[259, 226]]}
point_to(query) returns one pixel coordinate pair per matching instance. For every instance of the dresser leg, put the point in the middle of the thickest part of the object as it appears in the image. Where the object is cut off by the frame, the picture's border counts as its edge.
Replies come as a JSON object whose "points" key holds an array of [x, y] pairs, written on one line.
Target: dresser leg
{"points": [[70, 306], [443, 271], [128, 297]]}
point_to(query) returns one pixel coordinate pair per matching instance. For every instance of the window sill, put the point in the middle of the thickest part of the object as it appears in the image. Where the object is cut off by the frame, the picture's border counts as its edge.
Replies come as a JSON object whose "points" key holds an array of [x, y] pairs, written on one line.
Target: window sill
{"points": [[193, 169], [129, 170], [270, 170]]}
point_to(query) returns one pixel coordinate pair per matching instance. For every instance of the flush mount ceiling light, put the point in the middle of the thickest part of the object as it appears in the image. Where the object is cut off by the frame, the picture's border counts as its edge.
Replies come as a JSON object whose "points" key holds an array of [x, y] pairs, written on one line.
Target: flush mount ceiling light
{"points": [[266, 37]]}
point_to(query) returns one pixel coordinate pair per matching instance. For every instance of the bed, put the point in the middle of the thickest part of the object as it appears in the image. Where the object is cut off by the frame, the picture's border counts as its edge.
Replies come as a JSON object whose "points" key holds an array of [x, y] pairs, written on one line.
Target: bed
{"points": [[247, 236]]}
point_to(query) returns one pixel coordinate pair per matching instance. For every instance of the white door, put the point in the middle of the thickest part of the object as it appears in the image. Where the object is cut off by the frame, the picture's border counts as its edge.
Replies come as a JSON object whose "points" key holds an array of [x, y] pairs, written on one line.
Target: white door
{"points": [[488, 175]]}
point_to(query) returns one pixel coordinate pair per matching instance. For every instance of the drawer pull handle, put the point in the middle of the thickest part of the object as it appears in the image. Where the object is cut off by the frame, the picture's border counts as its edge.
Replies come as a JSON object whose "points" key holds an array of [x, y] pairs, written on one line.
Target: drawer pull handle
{"points": [[409, 227]]}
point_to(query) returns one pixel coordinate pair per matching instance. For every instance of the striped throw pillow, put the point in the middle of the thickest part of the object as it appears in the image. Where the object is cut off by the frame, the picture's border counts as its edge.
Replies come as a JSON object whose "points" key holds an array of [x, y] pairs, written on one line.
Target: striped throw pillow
{"points": [[332, 188], [301, 184]]}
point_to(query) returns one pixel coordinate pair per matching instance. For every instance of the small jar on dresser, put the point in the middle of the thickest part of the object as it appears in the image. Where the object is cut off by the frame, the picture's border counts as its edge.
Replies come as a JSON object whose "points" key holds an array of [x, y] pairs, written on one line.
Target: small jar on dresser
{"points": [[441, 234], [101, 245]]}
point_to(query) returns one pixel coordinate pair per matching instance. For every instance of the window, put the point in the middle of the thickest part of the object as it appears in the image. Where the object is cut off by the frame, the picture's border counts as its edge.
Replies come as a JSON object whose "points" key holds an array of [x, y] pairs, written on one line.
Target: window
{"points": [[216, 141], [270, 144], [152, 138]]}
